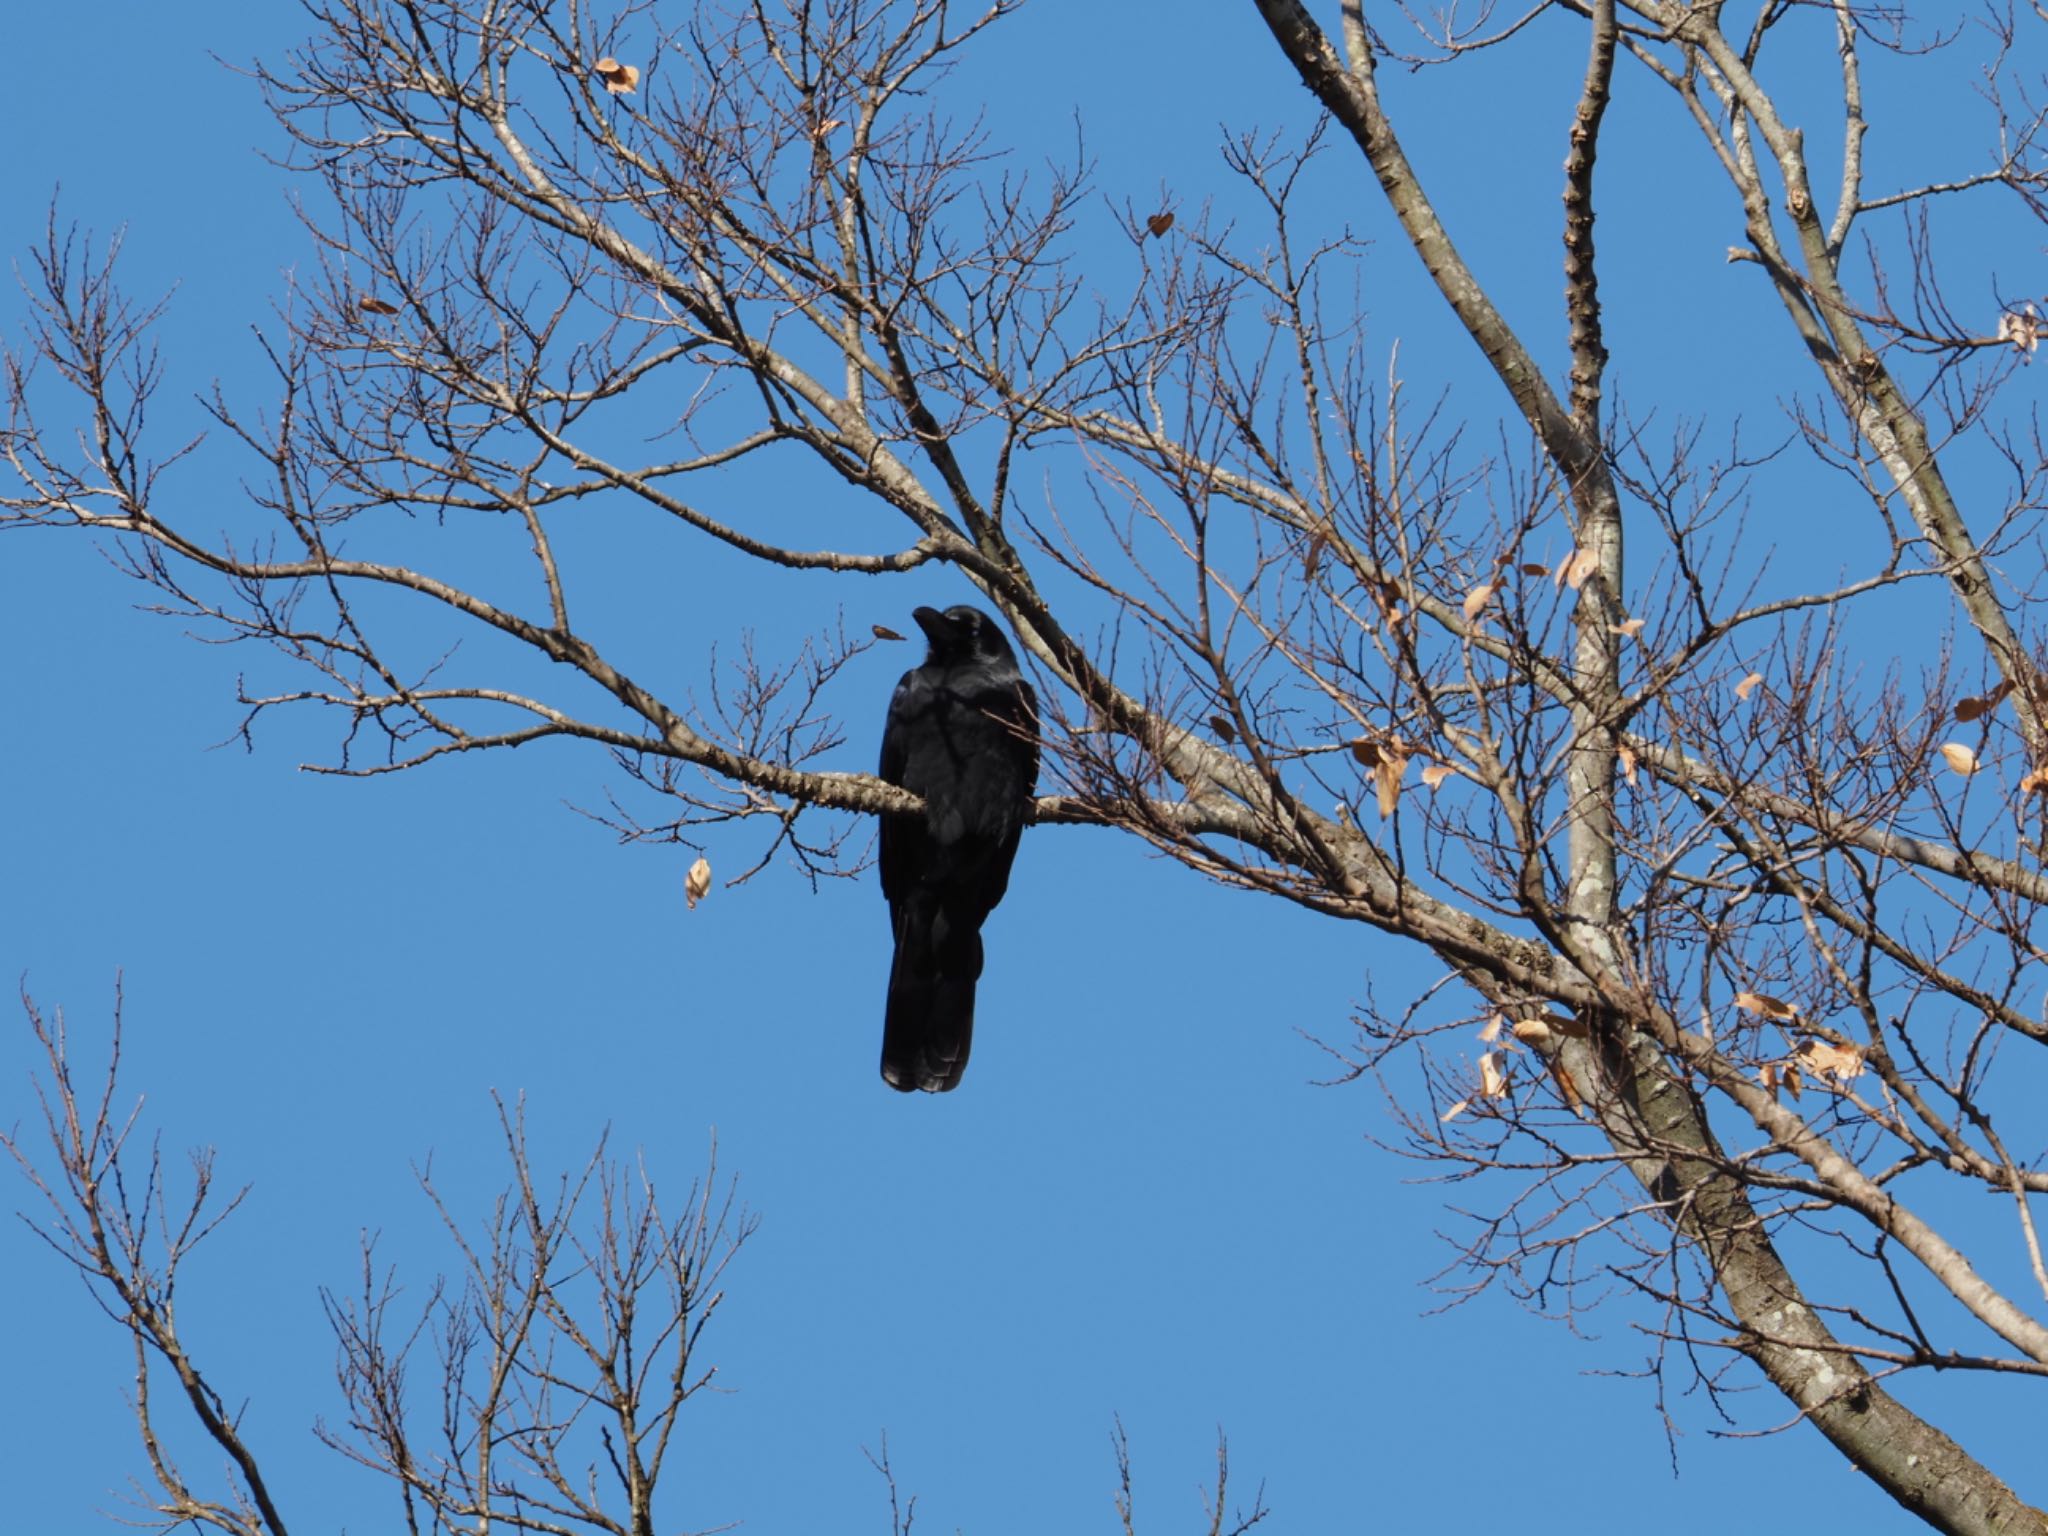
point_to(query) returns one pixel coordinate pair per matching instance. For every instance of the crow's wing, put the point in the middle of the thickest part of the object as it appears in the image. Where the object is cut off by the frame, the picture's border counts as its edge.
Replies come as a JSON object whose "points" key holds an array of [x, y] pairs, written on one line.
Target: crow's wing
{"points": [[902, 837]]}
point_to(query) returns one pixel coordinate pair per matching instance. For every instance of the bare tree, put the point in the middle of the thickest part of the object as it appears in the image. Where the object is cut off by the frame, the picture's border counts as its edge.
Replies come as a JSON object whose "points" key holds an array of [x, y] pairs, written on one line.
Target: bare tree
{"points": [[1748, 930], [557, 1358]]}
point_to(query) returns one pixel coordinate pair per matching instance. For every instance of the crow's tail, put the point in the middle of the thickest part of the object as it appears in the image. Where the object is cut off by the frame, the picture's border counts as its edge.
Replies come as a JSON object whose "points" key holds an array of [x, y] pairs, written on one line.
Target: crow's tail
{"points": [[929, 1024]]}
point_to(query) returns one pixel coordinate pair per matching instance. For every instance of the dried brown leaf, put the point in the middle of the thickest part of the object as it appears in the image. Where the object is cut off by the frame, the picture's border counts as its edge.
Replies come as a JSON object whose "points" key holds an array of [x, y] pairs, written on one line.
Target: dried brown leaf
{"points": [[1626, 627], [884, 632], [1627, 757], [1532, 569], [1493, 1028], [1566, 1086], [619, 79], [1159, 223], [376, 306], [1477, 599], [1748, 685], [1314, 557], [1820, 1060], [1455, 1110], [1224, 730], [1770, 1007], [1434, 775], [1493, 1082], [1580, 568], [1386, 775]]}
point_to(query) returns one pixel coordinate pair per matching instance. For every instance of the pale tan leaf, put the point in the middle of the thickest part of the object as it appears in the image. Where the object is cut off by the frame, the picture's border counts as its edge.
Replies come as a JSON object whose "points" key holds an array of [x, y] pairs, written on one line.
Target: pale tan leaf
{"points": [[1435, 773], [698, 881], [1770, 1007], [1843, 1063], [1554, 1024], [1748, 685], [827, 126], [1535, 1032], [1959, 758], [619, 79], [1791, 1081], [1493, 1028], [1386, 776], [1626, 627], [2038, 779], [1581, 568], [1767, 1074], [1493, 1082], [1455, 1110], [1477, 599], [1628, 764]]}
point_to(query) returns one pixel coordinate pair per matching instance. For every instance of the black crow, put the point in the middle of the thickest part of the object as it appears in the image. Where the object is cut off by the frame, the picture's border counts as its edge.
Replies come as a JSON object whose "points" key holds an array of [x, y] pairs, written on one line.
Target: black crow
{"points": [[963, 733]]}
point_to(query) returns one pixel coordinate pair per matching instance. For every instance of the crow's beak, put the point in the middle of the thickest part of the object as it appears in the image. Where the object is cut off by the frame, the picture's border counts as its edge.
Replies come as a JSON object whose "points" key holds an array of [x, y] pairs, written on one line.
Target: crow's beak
{"points": [[937, 627]]}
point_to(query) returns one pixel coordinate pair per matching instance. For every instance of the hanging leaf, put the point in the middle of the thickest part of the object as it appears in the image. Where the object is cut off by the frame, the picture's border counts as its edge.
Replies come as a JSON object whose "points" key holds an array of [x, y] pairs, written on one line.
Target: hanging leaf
{"points": [[1548, 1030], [1843, 1063], [2038, 779], [1314, 557], [1748, 685], [619, 79], [1434, 775], [1367, 751], [827, 126], [1493, 1082], [1534, 570], [1159, 223], [1767, 1074], [1386, 775], [1224, 730], [1959, 758], [1626, 627], [1565, 1086], [697, 883], [1575, 568], [1770, 1007], [1477, 599], [1627, 757], [1493, 1028], [884, 632], [1455, 1110], [373, 306]]}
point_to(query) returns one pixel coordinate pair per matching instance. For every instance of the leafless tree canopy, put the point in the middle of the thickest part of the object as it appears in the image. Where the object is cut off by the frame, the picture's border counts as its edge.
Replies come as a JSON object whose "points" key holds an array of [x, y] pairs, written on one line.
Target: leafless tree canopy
{"points": [[1743, 914]]}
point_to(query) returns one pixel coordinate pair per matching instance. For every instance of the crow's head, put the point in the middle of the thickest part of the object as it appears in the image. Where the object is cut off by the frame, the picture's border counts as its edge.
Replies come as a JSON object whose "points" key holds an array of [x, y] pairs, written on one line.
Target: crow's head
{"points": [[961, 635]]}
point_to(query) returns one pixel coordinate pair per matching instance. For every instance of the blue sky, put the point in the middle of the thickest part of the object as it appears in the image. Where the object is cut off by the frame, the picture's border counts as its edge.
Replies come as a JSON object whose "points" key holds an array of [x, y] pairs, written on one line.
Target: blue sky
{"points": [[1141, 1204]]}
